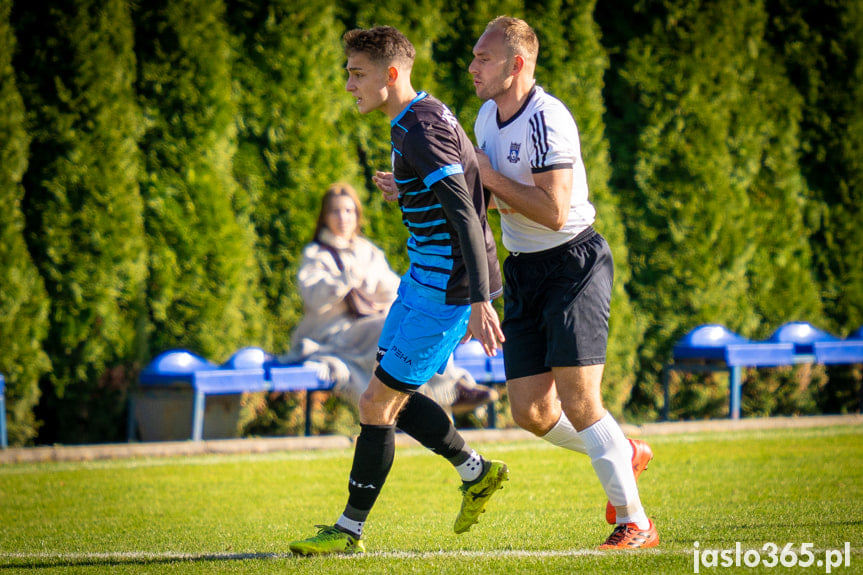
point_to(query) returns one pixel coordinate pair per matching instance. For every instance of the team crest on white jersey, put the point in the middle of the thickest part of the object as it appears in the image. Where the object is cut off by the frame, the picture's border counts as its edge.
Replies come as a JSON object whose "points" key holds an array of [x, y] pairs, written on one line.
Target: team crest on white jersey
{"points": [[514, 147]]}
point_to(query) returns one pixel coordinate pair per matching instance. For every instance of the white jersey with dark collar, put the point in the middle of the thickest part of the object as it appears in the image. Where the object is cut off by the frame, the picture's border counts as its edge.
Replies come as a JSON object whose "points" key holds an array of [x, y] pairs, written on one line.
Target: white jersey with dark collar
{"points": [[542, 136]]}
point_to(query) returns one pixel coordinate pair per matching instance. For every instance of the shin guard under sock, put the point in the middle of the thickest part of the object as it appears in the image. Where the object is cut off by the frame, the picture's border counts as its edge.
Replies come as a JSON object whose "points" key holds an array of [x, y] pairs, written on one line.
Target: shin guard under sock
{"points": [[428, 423], [373, 458]]}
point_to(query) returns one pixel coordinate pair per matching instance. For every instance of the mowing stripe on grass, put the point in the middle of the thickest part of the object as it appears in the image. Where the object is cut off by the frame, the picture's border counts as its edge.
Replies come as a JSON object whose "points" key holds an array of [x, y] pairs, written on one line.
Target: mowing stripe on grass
{"points": [[849, 427], [214, 460]]}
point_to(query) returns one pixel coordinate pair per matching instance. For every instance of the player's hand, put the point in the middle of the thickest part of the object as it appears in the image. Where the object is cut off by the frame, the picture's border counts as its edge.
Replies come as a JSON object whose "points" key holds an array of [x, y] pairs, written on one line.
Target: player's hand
{"points": [[386, 183], [484, 326]]}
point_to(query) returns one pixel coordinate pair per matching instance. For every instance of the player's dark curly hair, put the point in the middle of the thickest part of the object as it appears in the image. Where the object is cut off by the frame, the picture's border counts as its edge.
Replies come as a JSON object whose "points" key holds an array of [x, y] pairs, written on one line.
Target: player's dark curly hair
{"points": [[382, 44]]}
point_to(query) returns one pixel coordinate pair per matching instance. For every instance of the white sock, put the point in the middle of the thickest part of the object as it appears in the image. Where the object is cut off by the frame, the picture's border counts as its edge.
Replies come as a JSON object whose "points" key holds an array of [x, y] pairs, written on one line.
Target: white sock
{"points": [[351, 526], [563, 434], [611, 455], [471, 468]]}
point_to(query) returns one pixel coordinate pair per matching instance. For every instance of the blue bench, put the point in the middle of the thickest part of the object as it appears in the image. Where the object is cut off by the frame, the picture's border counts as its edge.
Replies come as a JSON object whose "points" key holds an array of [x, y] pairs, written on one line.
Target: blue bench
{"points": [[713, 348], [4, 441], [471, 357], [249, 370], [298, 378], [252, 370], [803, 336], [849, 350]]}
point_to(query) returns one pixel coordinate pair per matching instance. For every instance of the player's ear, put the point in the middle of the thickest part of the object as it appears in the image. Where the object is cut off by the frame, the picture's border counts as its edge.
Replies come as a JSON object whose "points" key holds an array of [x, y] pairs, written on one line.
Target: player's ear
{"points": [[518, 64], [392, 75]]}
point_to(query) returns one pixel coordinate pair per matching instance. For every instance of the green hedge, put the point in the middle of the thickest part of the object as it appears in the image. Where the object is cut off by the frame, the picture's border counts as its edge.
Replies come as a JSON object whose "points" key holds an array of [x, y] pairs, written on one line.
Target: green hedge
{"points": [[163, 163], [23, 299]]}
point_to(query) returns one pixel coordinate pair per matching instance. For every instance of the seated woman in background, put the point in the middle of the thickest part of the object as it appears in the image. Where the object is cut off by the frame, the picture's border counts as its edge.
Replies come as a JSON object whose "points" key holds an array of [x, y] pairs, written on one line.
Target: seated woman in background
{"points": [[347, 287]]}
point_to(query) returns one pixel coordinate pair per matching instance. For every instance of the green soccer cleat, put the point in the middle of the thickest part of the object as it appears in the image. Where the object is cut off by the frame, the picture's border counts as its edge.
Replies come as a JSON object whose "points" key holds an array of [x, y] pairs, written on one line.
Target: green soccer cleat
{"points": [[328, 540], [477, 494]]}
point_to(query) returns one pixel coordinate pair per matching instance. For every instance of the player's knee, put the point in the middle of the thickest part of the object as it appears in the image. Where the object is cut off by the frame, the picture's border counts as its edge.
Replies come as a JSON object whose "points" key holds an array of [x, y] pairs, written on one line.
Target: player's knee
{"points": [[533, 419], [584, 414], [364, 403], [372, 407], [380, 405]]}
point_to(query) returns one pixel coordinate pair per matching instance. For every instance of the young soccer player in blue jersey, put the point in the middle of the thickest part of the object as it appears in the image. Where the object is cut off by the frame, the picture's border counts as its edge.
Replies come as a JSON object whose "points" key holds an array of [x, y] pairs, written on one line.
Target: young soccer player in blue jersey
{"points": [[445, 296]]}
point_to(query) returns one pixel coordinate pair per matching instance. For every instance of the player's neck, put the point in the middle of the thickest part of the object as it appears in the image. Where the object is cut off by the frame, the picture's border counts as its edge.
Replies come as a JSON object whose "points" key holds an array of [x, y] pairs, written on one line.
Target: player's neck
{"points": [[399, 99], [511, 101]]}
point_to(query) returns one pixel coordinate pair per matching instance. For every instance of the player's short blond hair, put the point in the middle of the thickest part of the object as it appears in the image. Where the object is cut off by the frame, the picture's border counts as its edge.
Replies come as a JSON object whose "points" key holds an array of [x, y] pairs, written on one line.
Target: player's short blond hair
{"points": [[518, 37]]}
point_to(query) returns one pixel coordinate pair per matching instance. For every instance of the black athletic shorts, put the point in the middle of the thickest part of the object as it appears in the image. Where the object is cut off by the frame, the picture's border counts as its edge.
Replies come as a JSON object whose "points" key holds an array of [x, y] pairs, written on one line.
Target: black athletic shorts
{"points": [[556, 306]]}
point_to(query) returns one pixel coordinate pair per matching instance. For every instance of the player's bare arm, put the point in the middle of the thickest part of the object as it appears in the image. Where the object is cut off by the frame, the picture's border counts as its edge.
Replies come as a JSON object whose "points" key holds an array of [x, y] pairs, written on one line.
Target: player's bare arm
{"points": [[546, 202]]}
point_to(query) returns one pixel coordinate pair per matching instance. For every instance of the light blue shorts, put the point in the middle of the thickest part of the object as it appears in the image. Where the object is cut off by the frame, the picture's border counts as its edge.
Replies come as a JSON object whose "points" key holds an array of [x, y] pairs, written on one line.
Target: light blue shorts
{"points": [[418, 337]]}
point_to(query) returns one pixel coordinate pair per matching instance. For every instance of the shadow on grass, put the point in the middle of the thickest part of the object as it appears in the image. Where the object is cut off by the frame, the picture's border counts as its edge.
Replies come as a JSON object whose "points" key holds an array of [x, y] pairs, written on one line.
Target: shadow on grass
{"points": [[120, 559]]}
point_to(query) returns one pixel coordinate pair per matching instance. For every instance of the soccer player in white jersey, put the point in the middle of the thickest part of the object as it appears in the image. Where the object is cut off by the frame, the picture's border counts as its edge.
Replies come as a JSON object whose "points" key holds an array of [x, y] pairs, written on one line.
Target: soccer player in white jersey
{"points": [[558, 275]]}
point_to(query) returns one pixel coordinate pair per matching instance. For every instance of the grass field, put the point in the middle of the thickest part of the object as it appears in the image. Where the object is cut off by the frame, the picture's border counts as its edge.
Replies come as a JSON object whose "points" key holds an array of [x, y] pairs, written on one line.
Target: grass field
{"points": [[236, 513]]}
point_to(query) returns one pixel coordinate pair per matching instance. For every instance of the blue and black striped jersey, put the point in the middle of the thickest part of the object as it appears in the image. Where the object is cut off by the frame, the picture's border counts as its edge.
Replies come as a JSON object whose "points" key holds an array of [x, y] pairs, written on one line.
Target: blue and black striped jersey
{"points": [[430, 148]]}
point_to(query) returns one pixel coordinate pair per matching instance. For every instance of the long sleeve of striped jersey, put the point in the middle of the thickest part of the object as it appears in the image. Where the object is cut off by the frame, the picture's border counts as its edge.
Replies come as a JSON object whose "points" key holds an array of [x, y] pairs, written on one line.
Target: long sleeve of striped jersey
{"points": [[457, 204]]}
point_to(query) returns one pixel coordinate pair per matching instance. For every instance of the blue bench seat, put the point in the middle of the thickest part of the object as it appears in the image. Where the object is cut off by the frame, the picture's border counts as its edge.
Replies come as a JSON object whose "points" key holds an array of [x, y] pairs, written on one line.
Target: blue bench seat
{"points": [[249, 370], [714, 348]]}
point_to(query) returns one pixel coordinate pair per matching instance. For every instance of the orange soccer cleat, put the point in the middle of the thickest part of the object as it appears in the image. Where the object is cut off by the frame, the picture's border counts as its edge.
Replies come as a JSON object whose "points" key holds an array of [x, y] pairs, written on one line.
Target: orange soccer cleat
{"points": [[629, 536]]}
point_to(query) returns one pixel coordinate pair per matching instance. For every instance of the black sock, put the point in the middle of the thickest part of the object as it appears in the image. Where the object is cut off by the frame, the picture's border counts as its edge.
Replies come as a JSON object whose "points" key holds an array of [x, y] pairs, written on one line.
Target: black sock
{"points": [[373, 458], [428, 423]]}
